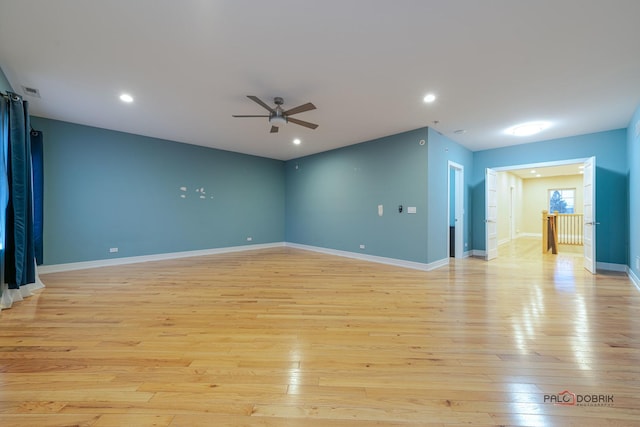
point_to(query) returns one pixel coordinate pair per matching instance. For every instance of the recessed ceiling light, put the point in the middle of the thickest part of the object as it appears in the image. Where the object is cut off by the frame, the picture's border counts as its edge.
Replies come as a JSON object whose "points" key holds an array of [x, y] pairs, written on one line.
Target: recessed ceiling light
{"points": [[527, 129], [428, 98], [533, 171], [297, 141], [581, 167], [538, 175], [125, 97]]}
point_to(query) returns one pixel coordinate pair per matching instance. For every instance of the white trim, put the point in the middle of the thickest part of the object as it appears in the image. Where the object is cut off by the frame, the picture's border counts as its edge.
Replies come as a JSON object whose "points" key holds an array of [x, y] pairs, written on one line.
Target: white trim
{"points": [[373, 258], [467, 254], [634, 279], [529, 235], [479, 253], [146, 258], [541, 164], [504, 241], [607, 266]]}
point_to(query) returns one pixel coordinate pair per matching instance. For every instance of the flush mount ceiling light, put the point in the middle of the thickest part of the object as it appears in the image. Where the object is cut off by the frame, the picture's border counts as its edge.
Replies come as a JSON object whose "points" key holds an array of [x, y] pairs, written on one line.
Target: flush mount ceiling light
{"points": [[429, 98], [527, 129], [125, 97]]}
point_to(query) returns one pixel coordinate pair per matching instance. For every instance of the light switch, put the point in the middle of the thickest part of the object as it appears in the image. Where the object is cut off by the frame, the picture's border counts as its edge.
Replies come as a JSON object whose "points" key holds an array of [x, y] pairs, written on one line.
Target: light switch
{"points": [[380, 210], [411, 209]]}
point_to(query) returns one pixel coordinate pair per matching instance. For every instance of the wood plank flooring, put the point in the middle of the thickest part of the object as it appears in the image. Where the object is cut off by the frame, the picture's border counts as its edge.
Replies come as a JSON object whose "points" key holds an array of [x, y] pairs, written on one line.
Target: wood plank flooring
{"points": [[285, 337]]}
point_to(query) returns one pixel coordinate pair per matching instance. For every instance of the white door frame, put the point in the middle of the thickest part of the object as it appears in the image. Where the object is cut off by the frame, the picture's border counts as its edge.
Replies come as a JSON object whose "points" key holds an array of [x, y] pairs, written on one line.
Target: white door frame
{"points": [[589, 232], [542, 165], [458, 214], [491, 213], [512, 213]]}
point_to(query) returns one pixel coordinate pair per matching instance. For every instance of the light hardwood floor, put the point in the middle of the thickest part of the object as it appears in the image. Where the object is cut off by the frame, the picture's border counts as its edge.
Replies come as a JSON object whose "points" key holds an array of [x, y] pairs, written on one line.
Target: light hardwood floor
{"points": [[284, 337]]}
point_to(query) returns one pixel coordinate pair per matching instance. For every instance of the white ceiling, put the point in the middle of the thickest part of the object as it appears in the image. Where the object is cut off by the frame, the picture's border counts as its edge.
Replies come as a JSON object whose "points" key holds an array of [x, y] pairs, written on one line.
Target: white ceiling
{"points": [[548, 171], [365, 64]]}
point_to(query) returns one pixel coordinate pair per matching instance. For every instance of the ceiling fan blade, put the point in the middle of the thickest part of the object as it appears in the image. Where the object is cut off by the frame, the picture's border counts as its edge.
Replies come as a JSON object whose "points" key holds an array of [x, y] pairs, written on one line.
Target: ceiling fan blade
{"points": [[302, 123], [259, 101], [300, 109], [250, 116], [274, 129]]}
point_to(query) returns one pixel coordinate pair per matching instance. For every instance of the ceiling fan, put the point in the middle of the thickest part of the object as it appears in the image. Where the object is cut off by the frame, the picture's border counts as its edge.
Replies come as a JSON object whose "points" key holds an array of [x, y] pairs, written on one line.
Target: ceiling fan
{"points": [[278, 117]]}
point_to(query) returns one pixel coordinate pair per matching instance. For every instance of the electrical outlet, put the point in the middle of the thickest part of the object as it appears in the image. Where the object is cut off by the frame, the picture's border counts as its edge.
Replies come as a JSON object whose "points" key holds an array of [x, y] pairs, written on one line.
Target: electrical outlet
{"points": [[113, 250], [361, 246], [249, 239]]}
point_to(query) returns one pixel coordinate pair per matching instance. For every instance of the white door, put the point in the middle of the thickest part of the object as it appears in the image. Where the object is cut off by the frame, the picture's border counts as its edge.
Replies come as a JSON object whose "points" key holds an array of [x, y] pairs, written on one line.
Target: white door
{"points": [[456, 183], [491, 214], [589, 182], [459, 213]]}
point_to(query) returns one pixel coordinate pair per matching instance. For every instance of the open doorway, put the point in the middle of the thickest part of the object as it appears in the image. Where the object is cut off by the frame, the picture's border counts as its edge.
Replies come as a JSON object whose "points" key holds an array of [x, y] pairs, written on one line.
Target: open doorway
{"points": [[507, 217], [455, 185]]}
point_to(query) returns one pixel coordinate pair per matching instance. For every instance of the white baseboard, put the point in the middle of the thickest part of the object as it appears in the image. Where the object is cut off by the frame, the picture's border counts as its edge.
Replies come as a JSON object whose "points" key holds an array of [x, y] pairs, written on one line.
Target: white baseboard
{"points": [[607, 266], [56, 268], [504, 242], [529, 235], [634, 279], [373, 258], [44, 269]]}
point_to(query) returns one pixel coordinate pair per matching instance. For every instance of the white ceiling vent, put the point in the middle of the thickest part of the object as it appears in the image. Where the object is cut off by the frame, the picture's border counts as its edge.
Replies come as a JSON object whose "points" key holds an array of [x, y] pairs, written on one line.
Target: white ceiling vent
{"points": [[31, 91]]}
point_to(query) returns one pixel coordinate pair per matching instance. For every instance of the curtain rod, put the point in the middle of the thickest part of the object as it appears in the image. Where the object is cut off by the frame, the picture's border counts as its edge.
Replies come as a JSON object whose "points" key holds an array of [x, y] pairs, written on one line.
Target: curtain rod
{"points": [[11, 95]]}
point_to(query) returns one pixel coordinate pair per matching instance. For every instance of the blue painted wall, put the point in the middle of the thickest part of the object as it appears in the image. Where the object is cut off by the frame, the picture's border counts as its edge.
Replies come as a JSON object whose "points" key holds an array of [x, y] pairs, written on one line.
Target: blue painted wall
{"points": [[610, 150], [633, 156], [106, 189], [332, 198], [441, 151]]}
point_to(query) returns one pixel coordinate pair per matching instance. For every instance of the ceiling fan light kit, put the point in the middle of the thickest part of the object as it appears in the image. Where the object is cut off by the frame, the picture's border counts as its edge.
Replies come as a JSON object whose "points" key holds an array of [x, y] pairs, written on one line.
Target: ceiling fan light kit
{"points": [[277, 120], [278, 117]]}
